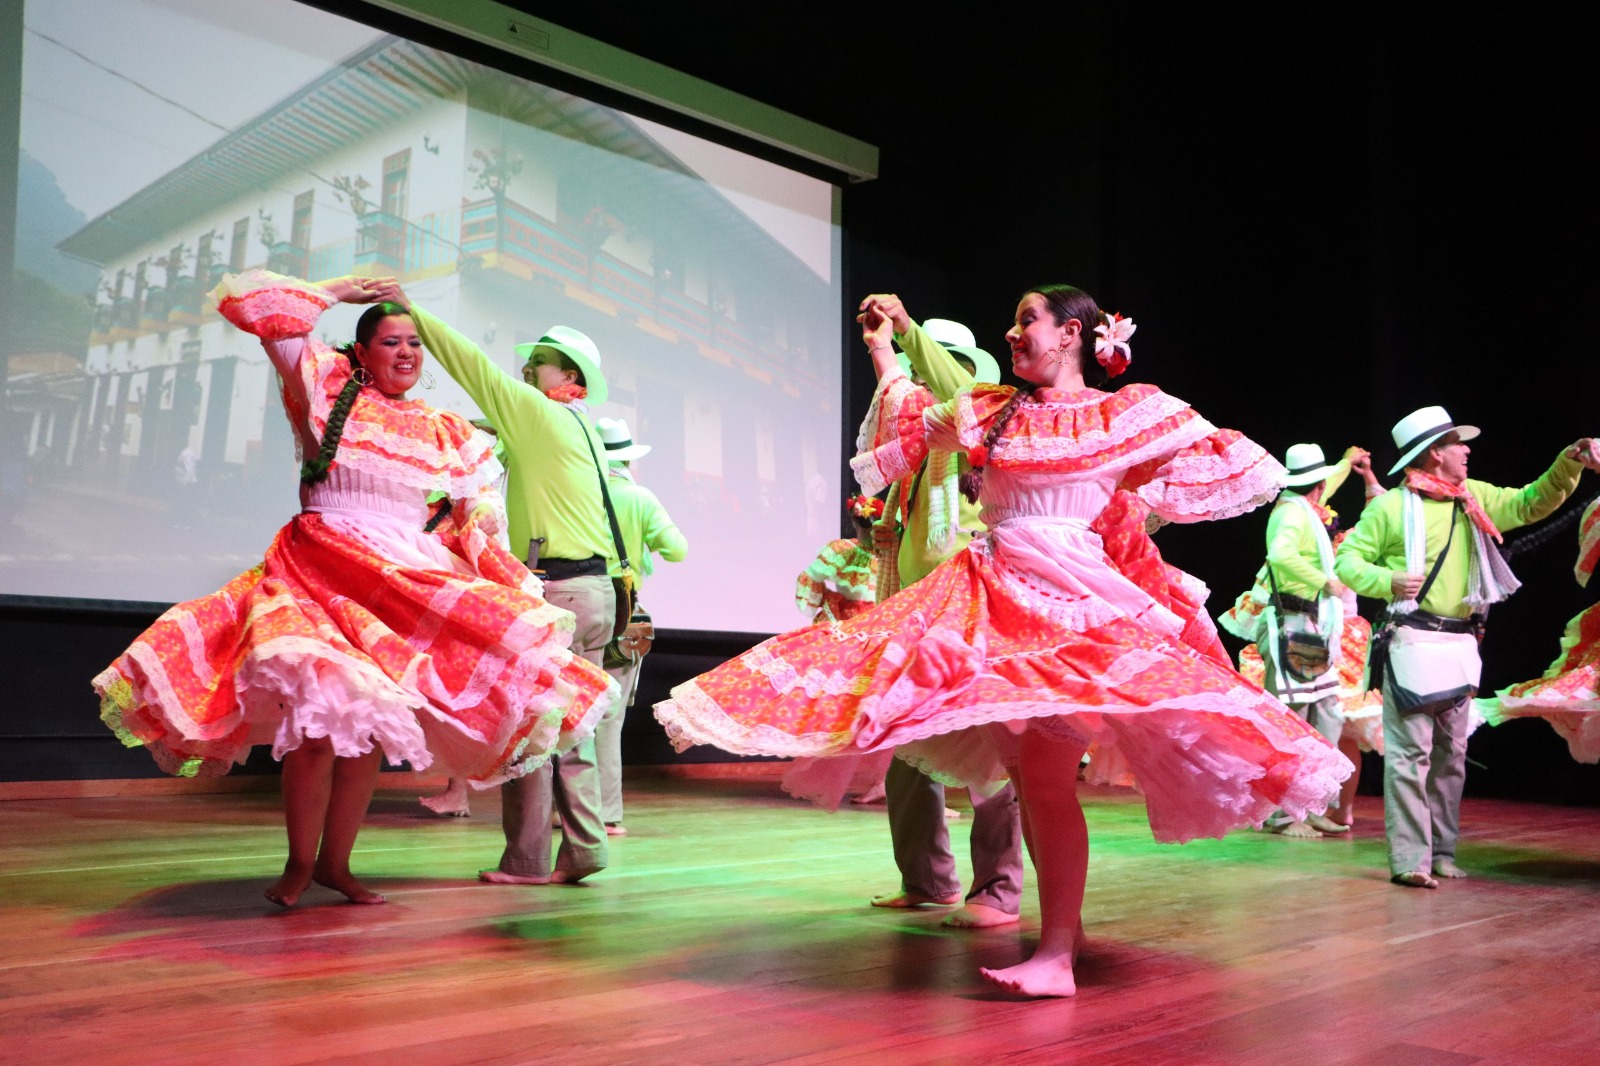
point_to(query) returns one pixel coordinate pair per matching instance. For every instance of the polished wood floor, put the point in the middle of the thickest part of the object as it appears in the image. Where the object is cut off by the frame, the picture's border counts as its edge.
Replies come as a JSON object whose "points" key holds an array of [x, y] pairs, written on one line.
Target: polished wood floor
{"points": [[732, 928]]}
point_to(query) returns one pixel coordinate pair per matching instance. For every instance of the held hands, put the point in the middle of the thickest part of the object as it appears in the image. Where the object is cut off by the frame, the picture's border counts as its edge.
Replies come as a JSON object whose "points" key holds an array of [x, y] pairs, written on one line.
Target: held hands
{"points": [[388, 290], [884, 536], [1404, 586], [876, 329], [887, 305], [354, 288], [1586, 451]]}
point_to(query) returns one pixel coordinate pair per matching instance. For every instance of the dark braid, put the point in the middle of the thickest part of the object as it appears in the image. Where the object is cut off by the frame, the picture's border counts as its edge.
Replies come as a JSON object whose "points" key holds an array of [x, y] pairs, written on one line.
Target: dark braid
{"points": [[1545, 533], [316, 469], [972, 480]]}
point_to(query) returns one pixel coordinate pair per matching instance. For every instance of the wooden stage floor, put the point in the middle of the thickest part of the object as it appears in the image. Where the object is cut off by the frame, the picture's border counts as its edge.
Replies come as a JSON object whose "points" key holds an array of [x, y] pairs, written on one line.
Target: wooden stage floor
{"points": [[732, 927]]}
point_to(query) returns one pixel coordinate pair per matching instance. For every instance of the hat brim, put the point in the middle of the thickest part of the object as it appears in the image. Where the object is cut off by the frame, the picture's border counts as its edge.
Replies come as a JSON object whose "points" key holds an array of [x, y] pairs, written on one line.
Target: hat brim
{"points": [[1309, 477], [1461, 432], [594, 382], [984, 367], [628, 454]]}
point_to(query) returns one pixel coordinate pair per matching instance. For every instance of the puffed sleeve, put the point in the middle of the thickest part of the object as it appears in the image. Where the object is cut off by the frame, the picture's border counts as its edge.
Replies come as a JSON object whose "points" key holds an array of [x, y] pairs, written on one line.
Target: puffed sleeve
{"points": [[1212, 473], [271, 306], [893, 441]]}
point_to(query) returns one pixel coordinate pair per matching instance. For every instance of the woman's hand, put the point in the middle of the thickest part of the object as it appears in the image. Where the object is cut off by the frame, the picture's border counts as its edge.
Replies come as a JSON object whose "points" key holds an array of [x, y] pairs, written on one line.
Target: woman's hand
{"points": [[889, 306], [388, 290], [876, 329], [353, 288]]}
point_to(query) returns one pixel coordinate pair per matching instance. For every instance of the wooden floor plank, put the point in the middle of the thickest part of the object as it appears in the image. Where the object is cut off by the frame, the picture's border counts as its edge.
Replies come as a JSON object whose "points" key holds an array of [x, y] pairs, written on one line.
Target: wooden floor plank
{"points": [[732, 927]]}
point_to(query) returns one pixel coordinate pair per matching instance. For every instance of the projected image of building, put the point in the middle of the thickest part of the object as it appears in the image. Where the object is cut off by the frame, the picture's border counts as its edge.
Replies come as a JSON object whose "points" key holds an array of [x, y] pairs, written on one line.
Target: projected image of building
{"points": [[504, 207]]}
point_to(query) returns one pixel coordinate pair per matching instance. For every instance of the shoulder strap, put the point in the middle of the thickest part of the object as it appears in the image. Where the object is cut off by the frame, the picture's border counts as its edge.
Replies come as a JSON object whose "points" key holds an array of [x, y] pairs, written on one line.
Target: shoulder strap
{"points": [[1450, 536], [605, 492]]}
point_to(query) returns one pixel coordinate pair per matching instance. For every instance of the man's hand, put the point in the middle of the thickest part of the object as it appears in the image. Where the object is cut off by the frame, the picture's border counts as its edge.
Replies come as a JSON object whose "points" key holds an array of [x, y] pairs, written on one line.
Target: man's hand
{"points": [[1404, 586], [888, 305], [1334, 587], [1587, 452], [884, 536], [389, 291]]}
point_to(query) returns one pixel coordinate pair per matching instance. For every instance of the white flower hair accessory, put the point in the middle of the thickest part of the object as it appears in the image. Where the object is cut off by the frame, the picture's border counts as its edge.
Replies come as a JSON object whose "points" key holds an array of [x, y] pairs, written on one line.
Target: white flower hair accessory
{"points": [[1111, 349]]}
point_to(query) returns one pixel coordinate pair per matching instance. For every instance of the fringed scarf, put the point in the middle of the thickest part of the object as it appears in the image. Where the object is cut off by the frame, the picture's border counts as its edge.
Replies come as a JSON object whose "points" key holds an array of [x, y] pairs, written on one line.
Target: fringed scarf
{"points": [[1489, 578]]}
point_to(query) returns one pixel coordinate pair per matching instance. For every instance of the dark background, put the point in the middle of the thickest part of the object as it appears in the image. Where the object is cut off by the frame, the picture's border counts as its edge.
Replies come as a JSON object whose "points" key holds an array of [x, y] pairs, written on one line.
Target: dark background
{"points": [[1321, 216]]}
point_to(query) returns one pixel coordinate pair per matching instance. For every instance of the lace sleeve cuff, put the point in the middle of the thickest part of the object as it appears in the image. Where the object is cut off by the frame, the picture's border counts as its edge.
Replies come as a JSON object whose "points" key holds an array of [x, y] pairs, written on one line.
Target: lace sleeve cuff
{"points": [[271, 306]]}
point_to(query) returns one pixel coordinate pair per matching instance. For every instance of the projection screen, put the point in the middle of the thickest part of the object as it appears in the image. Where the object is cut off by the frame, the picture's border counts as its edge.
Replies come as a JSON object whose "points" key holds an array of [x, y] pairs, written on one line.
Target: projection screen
{"points": [[144, 455]]}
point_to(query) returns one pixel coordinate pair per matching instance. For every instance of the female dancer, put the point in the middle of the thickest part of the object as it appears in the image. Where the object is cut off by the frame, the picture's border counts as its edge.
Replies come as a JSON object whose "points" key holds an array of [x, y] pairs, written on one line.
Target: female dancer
{"points": [[1032, 632], [361, 630], [1568, 695]]}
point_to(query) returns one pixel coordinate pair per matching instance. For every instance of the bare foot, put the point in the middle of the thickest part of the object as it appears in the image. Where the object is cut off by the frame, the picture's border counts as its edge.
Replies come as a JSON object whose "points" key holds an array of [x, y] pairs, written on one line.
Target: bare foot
{"points": [[978, 916], [1294, 831], [571, 877], [452, 802], [285, 891], [345, 883], [500, 877], [951, 814], [616, 829], [1415, 879], [1447, 868], [902, 900], [875, 794], [1039, 976], [1326, 826]]}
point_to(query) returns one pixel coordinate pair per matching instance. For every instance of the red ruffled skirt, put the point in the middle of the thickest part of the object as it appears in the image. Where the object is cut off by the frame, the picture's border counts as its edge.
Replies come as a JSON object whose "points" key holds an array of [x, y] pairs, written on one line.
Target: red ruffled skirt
{"points": [[434, 660], [1032, 627], [1567, 696]]}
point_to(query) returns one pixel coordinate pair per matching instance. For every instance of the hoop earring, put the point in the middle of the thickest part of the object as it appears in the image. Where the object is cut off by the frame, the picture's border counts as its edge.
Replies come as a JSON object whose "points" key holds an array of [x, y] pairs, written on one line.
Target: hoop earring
{"points": [[362, 375], [428, 380]]}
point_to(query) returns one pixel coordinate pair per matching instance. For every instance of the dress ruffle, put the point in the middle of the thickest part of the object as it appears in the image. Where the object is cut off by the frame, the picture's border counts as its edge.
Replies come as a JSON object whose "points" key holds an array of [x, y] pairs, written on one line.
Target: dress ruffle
{"points": [[841, 581], [971, 645], [327, 638], [1567, 696]]}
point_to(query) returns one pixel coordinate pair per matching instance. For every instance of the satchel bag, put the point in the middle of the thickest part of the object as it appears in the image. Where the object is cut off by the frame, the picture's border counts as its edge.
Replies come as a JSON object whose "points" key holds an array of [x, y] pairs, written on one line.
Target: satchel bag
{"points": [[1304, 651]]}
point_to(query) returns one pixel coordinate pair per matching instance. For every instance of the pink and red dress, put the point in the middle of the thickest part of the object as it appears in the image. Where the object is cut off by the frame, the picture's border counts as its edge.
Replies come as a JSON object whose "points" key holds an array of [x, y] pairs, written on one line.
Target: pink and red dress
{"points": [[358, 626], [1032, 626], [1568, 695]]}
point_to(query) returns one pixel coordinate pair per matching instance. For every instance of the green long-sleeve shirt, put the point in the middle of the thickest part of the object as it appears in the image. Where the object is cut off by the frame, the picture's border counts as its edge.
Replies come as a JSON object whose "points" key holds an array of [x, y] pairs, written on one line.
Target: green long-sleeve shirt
{"points": [[945, 378], [1376, 548], [646, 527], [1292, 541], [553, 488]]}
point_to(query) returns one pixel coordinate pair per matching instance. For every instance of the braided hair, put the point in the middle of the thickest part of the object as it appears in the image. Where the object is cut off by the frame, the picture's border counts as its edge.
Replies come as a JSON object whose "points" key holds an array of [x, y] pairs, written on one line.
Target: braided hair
{"points": [[316, 469], [1066, 302]]}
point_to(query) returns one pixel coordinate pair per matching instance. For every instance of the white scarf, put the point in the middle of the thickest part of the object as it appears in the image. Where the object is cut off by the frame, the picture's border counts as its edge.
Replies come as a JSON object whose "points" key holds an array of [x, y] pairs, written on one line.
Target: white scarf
{"points": [[1489, 578], [1330, 620]]}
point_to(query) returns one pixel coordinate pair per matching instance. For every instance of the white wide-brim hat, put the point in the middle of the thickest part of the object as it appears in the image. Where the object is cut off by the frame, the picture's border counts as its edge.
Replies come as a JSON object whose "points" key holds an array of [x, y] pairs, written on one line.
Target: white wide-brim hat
{"points": [[958, 340], [577, 347], [1421, 428], [1306, 465], [617, 438]]}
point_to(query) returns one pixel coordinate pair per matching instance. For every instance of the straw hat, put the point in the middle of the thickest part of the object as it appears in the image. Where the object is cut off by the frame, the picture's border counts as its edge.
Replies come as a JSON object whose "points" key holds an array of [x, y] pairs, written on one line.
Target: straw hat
{"points": [[614, 434], [577, 347], [958, 340], [1306, 465], [1421, 428]]}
